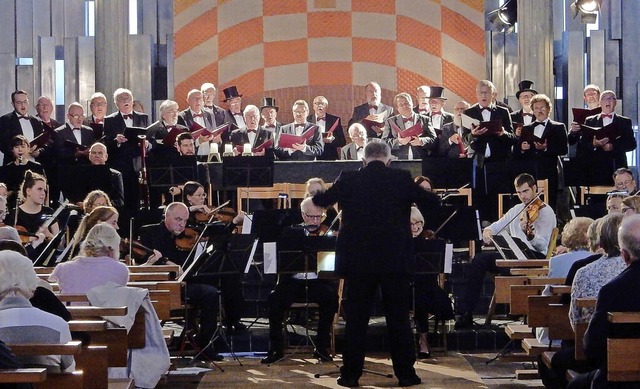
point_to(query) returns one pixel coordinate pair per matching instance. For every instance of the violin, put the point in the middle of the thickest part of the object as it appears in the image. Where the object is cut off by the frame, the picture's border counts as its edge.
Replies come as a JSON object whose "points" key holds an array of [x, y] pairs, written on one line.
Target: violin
{"points": [[224, 214], [531, 215], [138, 251], [25, 235], [188, 239]]}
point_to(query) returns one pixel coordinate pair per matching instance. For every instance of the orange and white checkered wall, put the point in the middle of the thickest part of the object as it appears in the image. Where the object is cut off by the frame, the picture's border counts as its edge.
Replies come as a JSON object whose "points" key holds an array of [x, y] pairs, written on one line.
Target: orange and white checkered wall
{"points": [[292, 49]]}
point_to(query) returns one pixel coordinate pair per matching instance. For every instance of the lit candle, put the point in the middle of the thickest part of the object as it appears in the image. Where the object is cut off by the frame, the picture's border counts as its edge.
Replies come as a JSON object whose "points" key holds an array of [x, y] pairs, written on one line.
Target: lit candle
{"points": [[214, 148], [247, 148], [228, 148]]}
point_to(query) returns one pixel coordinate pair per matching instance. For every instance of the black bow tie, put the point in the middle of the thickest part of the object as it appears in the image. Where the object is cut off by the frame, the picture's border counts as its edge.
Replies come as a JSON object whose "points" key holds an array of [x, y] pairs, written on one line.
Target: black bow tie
{"points": [[129, 116], [249, 130], [23, 117], [485, 109], [198, 115], [406, 120], [604, 115], [527, 114], [270, 126], [539, 124], [322, 118], [76, 129]]}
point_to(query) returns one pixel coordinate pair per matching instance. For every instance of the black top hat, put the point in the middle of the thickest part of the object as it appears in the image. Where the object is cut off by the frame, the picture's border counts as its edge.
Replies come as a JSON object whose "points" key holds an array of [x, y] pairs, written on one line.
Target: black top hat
{"points": [[436, 92], [525, 86], [230, 93], [269, 102]]}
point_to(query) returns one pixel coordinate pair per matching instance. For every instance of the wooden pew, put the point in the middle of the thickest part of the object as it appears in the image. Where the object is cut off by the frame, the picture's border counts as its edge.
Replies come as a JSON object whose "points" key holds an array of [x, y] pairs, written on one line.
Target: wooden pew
{"points": [[54, 381], [623, 355], [23, 375]]}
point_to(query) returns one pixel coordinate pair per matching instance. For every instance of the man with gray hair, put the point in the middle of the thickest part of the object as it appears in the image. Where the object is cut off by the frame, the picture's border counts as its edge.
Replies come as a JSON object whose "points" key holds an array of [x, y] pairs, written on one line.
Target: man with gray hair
{"points": [[252, 133], [161, 153], [355, 149], [98, 107], [195, 117], [372, 107], [411, 146], [303, 151], [71, 141], [619, 295], [376, 205], [209, 95]]}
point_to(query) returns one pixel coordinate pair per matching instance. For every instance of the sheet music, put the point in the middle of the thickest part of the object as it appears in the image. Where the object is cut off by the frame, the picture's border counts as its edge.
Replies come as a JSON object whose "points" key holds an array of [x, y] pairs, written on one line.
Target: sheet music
{"points": [[270, 262], [513, 246], [469, 122], [448, 258], [246, 225], [253, 251]]}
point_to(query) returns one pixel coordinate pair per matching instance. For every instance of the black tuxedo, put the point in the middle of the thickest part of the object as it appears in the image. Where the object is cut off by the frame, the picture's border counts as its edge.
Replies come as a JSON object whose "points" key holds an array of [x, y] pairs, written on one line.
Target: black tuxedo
{"points": [[518, 117], [619, 295], [349, 152], [273, 130], [451, 150], [218, 114], [240, 137], [446, 119], [122, 155], [230, 118], [500, 146], [160, 153], [52, 125], [428, 137], [607, 161], [330, 151], [362, 111], [548, 161], [65, 154], [10, 127], [314, 148], [376, 203]]}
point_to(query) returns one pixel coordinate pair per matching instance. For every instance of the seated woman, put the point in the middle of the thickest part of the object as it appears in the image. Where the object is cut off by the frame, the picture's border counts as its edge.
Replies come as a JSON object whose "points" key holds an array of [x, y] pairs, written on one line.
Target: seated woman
{"points": [[33, 215], [95, 198], [100, 214], [429, 297], [20, 322], [194, 197], [575, 240], [630, 205], [96, 265]]}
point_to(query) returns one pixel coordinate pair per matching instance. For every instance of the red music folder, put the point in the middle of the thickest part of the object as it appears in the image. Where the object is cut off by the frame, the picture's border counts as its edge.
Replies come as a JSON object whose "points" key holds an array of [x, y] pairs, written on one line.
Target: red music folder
{"points": [[286, 141], [581, 114]]}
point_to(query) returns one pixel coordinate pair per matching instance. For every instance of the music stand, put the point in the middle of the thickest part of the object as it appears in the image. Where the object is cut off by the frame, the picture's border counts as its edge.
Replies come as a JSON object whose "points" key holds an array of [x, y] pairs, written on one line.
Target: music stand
{"points": [[227, 255], [448, 172], [49, 250], [268, 224], [299, 254], [247, 171], [463, 225], [172, 175], [429, 256]]}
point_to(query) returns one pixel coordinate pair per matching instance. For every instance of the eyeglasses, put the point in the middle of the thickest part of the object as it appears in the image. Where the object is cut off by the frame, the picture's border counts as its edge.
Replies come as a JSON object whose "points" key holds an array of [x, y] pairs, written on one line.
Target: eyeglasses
{"points": [[313, 216], [418, 223], [622, 184], [76, 117]]}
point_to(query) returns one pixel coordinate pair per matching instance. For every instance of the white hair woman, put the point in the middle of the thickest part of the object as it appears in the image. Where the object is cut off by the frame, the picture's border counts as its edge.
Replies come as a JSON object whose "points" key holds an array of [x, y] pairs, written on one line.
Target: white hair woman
{"points": [[18, 281], [96, 265]]}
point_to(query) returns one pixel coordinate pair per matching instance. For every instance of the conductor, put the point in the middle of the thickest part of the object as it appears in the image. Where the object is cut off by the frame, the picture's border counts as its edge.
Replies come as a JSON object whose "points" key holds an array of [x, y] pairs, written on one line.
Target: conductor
{"points": [[374, 248]]}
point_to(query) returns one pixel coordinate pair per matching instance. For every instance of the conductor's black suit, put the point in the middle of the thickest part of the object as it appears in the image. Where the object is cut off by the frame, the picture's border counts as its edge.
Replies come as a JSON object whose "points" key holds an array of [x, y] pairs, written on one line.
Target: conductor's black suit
{"points": [[374, 248]]}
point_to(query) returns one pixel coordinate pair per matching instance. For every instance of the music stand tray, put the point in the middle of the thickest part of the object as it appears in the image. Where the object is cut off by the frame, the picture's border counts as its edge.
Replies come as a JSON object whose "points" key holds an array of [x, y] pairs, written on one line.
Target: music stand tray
{"points": [[268, 224], [448, 172], [226, 254], [511, 247], [429, 255], [300, 254], [75, 189], [246, 172]]}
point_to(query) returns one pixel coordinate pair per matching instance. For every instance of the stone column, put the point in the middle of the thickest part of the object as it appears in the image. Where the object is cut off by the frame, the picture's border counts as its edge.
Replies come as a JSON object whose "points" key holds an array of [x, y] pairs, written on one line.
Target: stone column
{"points": [[112, 46], [535, 44]]}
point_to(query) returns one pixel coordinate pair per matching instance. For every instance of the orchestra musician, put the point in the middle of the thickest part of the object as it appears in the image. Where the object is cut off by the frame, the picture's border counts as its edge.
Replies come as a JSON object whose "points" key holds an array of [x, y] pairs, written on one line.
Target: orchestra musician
{"points": [[317, 185], [429, 298], [375, 203], [624, 181], [13, 173], [98, 156], [532, 221], [100, 214], [162, 238], [291, 288], [32, 214]]}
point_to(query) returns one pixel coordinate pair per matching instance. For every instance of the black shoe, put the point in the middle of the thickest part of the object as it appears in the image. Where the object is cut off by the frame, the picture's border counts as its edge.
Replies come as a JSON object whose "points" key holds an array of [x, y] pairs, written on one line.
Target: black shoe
{"points": [[415, 380], [424, 355], [464, 321], [348, 382], [272, 356], [210, 355], [322, 355]]}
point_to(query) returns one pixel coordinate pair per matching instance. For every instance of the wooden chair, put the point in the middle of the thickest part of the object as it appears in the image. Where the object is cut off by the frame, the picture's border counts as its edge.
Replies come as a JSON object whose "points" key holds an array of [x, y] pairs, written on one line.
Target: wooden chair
{"points": [[623, 355], [543, 186], [54, 381], [596, 190], [553, 241], [276, 192]]}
